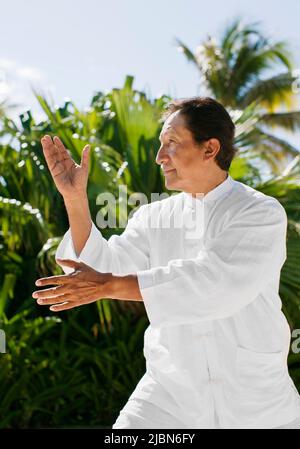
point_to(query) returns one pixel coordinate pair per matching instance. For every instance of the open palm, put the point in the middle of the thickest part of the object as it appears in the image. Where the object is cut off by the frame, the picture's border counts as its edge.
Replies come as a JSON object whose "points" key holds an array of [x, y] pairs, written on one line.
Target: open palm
{"points": [[69, 177]]}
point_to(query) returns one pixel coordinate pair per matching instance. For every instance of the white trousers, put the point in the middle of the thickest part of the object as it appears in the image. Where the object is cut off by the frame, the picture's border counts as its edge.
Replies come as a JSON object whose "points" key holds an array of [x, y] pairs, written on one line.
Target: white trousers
{"points": [[140, 414]]}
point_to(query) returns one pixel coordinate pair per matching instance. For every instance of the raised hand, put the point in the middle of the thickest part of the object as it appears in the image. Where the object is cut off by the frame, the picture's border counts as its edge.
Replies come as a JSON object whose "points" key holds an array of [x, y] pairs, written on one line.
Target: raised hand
{"points": [[69, 177]]}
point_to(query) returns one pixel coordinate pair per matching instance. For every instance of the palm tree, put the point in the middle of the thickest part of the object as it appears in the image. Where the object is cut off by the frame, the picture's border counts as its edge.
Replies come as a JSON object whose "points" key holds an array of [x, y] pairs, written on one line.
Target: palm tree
{"points": [[123, 127], [286, 188], [240, 70]]}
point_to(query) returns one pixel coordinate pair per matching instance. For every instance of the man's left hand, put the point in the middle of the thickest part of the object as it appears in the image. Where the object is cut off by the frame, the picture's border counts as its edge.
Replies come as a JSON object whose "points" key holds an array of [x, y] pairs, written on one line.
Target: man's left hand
{"points": [[83, 286]]}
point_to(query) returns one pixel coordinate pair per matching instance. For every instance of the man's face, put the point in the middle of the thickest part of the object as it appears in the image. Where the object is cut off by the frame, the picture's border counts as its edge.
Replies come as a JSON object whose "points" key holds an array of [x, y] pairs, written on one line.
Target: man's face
{"points": [[182, 161]]}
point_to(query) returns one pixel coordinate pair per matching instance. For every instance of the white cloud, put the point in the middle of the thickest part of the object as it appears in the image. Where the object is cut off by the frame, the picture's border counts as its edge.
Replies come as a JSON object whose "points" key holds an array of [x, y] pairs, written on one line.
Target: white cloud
{"points": [[7, 64], [16, 82], [5, 90], [30, 73]]}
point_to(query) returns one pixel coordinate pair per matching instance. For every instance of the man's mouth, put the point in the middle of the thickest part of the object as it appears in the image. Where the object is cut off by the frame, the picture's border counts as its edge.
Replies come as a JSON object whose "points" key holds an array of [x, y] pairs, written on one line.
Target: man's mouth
{"points": [[166, 172]]}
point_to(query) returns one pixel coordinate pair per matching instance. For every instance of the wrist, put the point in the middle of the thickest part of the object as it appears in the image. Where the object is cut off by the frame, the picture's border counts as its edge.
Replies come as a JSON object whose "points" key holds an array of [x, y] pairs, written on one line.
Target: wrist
{"points": [[124, 287], [77, 197], [107, 284]]}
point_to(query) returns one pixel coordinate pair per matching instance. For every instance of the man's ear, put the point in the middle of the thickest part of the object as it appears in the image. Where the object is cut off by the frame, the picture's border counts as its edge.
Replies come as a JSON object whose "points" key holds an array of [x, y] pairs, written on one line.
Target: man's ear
{"points": [[212, 148]]}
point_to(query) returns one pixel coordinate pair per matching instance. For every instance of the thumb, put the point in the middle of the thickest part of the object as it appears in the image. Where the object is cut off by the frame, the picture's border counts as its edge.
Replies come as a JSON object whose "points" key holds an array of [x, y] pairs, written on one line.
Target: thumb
{"points": [[85, 157], [68, 263]]}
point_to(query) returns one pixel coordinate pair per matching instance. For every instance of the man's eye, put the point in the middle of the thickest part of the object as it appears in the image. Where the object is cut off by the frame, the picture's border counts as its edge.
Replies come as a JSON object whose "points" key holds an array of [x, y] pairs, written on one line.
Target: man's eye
{"points": [[170, 141]]}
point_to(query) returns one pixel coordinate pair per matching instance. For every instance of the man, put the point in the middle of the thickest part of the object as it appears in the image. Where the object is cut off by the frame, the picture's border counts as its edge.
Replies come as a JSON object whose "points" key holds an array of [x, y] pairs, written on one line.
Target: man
{"points": [[217, 344]]}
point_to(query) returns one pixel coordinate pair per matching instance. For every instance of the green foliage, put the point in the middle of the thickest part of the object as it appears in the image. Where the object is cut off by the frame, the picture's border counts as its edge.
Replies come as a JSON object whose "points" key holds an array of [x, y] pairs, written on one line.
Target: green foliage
{"points": [[59, 372], [80, 368], [77, 370]]}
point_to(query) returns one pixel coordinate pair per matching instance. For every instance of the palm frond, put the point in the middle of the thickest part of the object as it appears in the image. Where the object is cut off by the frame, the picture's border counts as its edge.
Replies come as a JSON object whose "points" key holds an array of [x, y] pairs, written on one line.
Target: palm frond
{"points": [[269, 91], [186, 51], [286, 120]]}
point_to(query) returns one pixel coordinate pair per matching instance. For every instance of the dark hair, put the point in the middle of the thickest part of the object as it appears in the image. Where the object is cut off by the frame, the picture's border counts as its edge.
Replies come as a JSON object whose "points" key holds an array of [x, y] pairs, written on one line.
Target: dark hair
{"points": [[206, 118]]}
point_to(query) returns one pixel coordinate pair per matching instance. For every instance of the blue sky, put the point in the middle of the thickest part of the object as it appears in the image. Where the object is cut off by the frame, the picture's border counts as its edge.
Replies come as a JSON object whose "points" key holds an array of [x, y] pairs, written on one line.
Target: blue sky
{"points": [[72, 48]]}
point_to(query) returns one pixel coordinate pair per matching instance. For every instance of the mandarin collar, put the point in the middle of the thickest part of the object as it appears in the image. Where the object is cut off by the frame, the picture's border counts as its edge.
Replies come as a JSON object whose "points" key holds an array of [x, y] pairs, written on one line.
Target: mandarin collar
{"points": [[212, 195]]}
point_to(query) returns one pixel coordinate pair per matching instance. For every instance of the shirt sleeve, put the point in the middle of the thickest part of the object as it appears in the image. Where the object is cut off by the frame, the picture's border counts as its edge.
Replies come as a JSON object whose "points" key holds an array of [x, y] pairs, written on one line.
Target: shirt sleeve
{"points": [[226, 275], [120, 254]]}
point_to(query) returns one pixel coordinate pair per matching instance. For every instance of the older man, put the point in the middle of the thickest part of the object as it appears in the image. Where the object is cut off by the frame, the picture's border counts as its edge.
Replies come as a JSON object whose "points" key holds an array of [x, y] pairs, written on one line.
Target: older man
{"points": [[206, 263]]}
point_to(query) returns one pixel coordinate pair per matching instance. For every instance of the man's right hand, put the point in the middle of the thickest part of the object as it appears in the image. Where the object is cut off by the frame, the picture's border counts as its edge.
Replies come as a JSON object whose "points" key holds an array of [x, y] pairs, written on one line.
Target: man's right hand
{"points": [[69, 177]]}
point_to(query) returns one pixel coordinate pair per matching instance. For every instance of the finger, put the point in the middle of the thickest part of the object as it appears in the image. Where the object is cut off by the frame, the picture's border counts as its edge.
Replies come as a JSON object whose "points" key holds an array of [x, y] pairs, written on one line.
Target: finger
{"points": [[50, 297], [50, 292], [85, 157], [58, 300], [51, 153], [68, 263], [64, 153], [52, 280], [50, 150], [55, 151], [52, 161], [64, 306], [50, 157], [50, 301]]}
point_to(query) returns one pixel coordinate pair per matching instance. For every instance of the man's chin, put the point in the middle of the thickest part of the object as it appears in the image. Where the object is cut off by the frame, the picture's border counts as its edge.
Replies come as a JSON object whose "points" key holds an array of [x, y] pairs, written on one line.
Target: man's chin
{"points": [[170, 185]]}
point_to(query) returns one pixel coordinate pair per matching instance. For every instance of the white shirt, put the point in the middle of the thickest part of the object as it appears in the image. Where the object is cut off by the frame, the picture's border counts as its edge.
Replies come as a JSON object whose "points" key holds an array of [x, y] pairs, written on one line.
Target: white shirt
{"points": [[218, 341]]}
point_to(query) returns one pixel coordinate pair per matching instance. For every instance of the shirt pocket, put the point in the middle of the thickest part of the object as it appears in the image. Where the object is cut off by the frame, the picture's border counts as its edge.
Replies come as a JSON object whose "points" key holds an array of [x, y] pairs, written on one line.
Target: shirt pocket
{"points": [[260, 372], [156, 351]]}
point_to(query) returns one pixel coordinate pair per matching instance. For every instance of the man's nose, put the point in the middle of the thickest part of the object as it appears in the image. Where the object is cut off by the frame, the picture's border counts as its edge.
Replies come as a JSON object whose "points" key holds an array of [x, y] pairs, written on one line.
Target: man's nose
{"points": [[161, 156]]}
